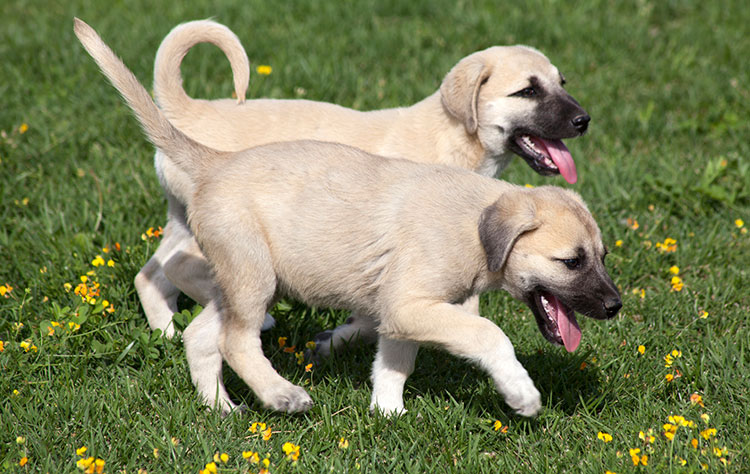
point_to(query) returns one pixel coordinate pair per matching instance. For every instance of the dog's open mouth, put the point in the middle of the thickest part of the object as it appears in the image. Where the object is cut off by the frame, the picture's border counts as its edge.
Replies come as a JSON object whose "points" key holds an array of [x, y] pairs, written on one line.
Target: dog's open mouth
{"points": [[547, 156], [556, 321]]}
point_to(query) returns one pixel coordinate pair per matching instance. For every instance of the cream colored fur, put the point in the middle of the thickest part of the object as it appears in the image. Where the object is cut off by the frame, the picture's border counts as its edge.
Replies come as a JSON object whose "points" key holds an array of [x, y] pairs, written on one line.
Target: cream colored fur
{"points": [[399, 242], [459, 125]]}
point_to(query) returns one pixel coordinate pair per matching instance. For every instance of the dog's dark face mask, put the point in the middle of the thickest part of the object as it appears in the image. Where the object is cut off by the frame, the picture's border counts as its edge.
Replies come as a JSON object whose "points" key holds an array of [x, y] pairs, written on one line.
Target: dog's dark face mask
{"points": [[547, 250]]}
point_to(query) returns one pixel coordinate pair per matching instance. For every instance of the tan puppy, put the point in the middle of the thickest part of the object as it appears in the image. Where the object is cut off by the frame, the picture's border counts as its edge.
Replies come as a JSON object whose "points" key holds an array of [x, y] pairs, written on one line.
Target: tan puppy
{"points": [[399, 242], [493, 104]]}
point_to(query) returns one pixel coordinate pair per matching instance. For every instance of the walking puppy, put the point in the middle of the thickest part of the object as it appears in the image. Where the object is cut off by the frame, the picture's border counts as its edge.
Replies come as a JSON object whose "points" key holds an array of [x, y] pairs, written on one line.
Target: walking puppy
{"points": [[401, 243], [492, 105]]}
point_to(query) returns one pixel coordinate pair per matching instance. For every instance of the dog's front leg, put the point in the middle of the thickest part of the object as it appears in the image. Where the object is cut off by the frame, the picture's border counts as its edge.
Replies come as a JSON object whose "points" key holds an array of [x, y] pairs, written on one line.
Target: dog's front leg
{"points": [[473, 337], [394, 362]]}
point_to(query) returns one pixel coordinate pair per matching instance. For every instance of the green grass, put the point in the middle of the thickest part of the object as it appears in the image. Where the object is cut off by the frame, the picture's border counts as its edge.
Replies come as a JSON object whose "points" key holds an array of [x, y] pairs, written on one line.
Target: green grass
{"points": [[667, 86]]}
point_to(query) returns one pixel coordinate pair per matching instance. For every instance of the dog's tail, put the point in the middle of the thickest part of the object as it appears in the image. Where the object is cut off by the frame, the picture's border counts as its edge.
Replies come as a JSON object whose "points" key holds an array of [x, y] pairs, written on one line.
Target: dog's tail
{"points": [[168, 90], [187, 154]]}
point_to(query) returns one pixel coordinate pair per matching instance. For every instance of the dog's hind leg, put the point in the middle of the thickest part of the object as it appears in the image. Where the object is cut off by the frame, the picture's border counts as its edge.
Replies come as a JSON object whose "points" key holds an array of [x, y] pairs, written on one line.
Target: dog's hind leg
{"points": [[157, 293], [469, 336], [204, 358], [245, 274], [357, 328], [188, 269]]}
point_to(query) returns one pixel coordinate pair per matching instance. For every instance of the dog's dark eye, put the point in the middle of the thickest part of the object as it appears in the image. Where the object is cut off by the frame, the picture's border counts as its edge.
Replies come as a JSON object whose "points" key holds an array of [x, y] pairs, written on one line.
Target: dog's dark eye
{"points": [[571, 263], [526, 93]]}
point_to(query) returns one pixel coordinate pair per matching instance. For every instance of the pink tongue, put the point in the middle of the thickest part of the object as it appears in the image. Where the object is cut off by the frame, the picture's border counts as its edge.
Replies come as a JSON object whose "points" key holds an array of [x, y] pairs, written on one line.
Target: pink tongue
{"points": [[560, 155], [566, 322]]}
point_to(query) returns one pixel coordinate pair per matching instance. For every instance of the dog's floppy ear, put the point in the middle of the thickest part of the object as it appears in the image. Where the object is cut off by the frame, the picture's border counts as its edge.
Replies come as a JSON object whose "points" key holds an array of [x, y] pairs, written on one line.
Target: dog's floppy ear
{"points": [[460, 90], [502, 223]]}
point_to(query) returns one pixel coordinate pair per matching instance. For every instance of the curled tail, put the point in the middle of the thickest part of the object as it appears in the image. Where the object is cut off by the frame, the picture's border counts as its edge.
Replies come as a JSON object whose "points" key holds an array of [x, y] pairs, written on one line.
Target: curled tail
{"points": [[168, 89], [187, 154]]}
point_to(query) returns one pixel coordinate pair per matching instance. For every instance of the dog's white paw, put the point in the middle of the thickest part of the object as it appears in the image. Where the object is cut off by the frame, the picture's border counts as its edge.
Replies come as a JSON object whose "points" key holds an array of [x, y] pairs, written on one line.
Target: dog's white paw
{"points": [[386, 409], [288, 398], [522, 396]]}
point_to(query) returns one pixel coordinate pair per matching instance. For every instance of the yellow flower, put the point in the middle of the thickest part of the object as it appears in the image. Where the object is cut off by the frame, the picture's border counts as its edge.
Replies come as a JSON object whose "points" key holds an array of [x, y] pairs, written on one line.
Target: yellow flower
{"points": [[703, 314], [606, 437], [266, 462], [696, 399], [674, 269], [632, 223], [224, 458], [705, 418], [99, 466], [638, 459], [251, 456], [308, 367], [2, 346], [618, 243], [5, 290], [694, 443], [291, 450], [28, 346], [267, 434], [20, 440], [648, 438], [300, 357], [110, 263], [708, 432], [263, 70], [641, 349], [257, 426], [23, 128], [67, 287], [210, 468], [527, 185], [282, 341], [640, 292], [677, 283], [739, 223], [310, 345], [669, 377], [23, 461], [85, 463], [344, 443], [98, 261]]}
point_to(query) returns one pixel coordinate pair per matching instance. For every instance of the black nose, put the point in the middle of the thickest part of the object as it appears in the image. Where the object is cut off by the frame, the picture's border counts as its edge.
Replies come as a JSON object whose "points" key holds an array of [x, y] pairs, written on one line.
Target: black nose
{"points": [[612, 306], [581, 122]]}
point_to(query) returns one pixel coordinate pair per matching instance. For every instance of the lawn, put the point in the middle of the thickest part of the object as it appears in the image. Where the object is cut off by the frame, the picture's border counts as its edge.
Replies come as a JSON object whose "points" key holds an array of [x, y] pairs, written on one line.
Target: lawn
{"points": [[664, 168]]}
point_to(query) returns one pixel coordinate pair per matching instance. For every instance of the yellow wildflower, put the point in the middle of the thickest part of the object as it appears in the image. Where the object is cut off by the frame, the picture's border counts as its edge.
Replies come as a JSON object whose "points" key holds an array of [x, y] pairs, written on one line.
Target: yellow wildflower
{"points": [[705, 418], [23, 461], [300, 357], [669, 430], [5, 290], [640, 292], [251, 456], [2, 346], [85, 463], [694, 443], [677, 283], [308, 367], [98, 261], [674, 269], [282, 341], [20, 440], [618, 243], [527, 185], [641, 349], [291, 450], [263, 70], [606, 437], [669, 377], [638, 459], [110, 263], [669, 245], [703, 314], [344, 443], [632, 223], [266, 462], [257, 426], [23, 128], [708, 432], [210, 468], [267, 434], [739, 223], [696, 399], [310, 345], [647, 437]]}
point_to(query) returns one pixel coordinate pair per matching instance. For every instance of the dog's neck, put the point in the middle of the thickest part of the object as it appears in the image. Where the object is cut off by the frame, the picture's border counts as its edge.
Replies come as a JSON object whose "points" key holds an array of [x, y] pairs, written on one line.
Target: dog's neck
{"points": [[451, 144]]}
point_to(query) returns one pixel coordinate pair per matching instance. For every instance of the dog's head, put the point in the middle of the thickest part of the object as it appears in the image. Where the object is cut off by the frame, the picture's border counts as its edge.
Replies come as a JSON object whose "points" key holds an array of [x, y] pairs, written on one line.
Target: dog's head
{"points": [[547, 249], [513, 99]]}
